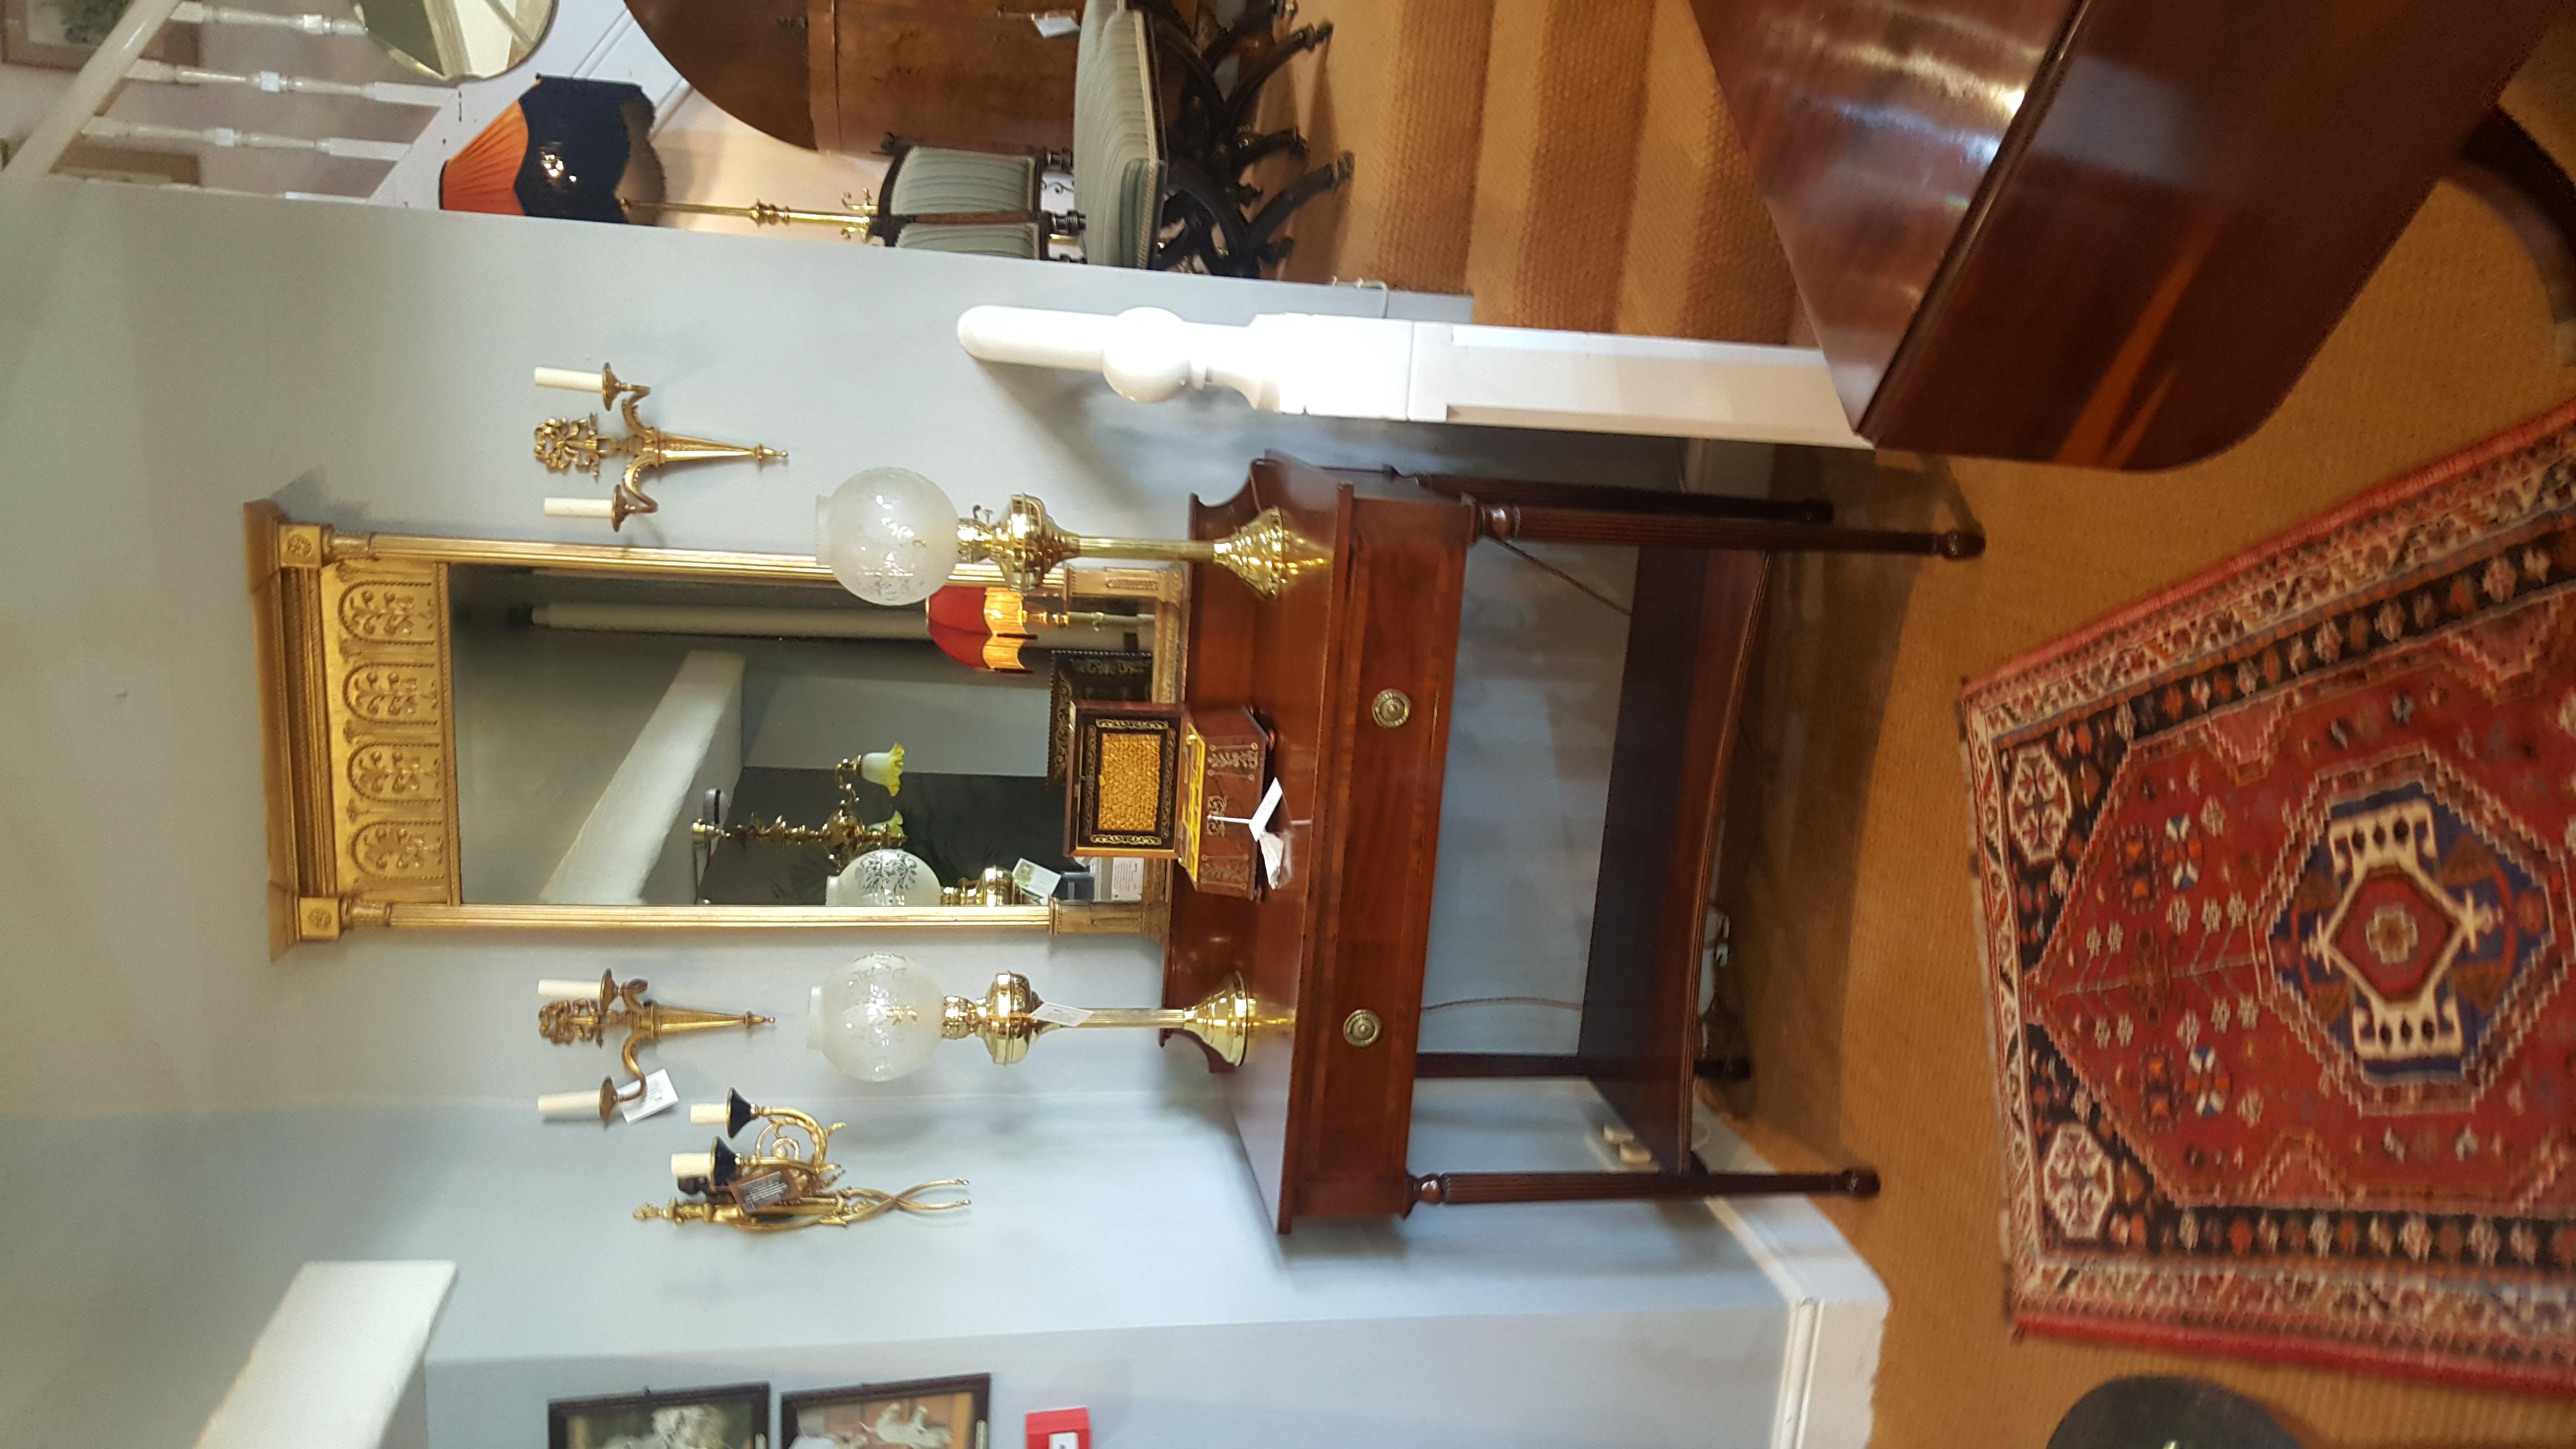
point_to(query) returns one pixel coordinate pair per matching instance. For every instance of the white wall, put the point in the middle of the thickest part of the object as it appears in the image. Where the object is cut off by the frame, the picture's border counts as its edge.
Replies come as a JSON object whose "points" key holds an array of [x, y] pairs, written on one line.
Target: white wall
{"points": [[1114, 1256], [164, 357], [812, 705], [543, 720]]}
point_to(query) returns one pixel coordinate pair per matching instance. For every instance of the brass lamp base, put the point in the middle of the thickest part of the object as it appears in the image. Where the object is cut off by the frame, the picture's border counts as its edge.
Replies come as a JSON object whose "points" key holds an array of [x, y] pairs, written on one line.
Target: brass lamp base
{"points": [[1011, 1016], [1027, 545]]}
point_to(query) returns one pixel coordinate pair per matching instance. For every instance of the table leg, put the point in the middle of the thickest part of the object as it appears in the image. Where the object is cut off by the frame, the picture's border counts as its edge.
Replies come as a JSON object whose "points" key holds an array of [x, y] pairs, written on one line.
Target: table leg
{"points": [[1460, 1188], [1648, 530]]}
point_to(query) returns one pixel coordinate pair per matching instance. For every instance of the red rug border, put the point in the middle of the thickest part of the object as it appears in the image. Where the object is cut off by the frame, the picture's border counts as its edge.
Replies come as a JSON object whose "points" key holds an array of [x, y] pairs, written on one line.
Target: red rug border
{"points": [[2558, 418], [2298, 1352]]}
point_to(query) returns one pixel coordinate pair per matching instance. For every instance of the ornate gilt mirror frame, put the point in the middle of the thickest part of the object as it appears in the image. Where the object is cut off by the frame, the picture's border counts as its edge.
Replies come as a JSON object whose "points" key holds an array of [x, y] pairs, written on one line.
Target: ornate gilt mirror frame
{"points": [[359, 737]]}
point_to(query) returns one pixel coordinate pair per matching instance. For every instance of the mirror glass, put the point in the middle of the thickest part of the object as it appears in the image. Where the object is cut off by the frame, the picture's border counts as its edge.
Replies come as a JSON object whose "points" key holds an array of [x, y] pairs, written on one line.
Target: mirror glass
{"points": [[458, 40], [635, 740]]}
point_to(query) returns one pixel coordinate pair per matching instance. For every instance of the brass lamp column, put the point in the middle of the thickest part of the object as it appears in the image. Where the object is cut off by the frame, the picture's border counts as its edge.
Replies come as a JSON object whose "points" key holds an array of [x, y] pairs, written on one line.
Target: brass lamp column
{"points": [[1027, 545], [1011, 1016]]}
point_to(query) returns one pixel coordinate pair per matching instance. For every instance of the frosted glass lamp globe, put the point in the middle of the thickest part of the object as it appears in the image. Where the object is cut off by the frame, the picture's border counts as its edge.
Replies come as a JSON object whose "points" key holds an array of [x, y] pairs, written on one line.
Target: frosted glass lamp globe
{"points": [[877, 1018], [889, 535], [884, 878]]}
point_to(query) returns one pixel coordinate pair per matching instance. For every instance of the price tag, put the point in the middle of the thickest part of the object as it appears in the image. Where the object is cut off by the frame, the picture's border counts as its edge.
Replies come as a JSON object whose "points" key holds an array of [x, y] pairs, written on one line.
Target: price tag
{"points": [[659, 1096], [1274, 859], [1056, 1013], [1036, 879], [1269, 807], [1126, 878], [1055, 23]]}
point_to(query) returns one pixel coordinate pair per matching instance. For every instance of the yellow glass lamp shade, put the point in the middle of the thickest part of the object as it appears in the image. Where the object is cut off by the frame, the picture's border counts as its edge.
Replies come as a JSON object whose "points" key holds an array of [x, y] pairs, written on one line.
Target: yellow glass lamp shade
{"points": [[884, 767]]}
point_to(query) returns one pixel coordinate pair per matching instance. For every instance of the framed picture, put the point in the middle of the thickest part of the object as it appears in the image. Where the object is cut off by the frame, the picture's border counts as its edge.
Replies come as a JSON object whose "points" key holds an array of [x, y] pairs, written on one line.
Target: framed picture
{"points": [[60, 34], [735, 1416], [921, 1414]]}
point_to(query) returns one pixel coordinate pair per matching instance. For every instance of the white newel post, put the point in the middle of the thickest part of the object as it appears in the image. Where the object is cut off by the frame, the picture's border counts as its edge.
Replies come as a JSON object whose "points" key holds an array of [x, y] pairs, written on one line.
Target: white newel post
{"points": [[1437, 372]]}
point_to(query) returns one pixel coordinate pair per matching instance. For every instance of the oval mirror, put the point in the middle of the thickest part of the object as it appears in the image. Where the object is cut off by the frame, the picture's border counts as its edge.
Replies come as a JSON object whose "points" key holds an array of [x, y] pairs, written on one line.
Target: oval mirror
{"points": [[458, 40]]}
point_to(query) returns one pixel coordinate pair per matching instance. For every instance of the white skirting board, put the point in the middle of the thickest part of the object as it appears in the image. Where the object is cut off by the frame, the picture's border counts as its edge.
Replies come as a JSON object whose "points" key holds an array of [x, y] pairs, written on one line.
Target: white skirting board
{"points": [[1837, 1306], [330, 1368]]}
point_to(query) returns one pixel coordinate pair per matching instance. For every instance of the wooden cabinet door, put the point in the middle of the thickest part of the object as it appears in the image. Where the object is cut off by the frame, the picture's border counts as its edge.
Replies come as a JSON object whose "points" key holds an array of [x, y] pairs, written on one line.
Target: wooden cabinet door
{"points": [[955, 72]]}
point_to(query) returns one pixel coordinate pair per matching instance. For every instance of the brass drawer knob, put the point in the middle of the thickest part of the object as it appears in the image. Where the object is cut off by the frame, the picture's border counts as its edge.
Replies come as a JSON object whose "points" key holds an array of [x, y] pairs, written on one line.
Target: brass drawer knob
{"points": [[1362, 1027], [1391, 708]]}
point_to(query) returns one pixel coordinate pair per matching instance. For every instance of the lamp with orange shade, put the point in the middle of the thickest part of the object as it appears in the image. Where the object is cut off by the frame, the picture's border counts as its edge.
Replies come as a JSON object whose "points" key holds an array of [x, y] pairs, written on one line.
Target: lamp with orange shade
{"points": [[986, 628]]}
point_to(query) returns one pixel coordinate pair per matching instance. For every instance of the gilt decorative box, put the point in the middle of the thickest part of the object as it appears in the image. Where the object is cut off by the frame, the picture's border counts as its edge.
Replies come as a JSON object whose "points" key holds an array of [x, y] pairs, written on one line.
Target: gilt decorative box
{"points": [[1123, 794]]}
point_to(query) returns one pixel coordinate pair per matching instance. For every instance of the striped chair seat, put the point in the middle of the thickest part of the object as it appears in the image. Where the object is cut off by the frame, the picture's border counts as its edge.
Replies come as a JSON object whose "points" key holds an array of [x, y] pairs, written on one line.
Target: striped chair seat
{"points": [[1117, 148], [982, 239], [936, 181]]}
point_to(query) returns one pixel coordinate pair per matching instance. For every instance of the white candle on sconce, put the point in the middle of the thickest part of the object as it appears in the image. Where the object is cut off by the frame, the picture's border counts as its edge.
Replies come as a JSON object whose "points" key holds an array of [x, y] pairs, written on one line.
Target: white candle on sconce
{"points": [[693, 1164], [579, 508], [555, 989], [572, 379], [567, 1104], [709, 1114]]}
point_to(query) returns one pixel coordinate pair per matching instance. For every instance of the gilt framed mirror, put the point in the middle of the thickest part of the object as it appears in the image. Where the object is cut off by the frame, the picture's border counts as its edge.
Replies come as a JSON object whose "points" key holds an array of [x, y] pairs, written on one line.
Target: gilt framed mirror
{"points": [[492, 734]]}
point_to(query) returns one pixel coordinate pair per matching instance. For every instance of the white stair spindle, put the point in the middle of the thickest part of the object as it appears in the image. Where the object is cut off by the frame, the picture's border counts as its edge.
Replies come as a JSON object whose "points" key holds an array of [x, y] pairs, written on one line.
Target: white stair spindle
{"points": [[110, 128], [90, 89], [386, 93], [192, 13]]}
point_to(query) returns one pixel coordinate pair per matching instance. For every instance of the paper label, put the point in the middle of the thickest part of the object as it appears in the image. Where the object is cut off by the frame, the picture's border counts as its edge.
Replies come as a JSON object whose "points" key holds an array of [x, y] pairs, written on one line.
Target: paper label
{"points": [[766, 1190], [659, 1096], [1269, 806], [1058, 1014], [1052, 25], [1036, 879], [1274, 859], [1126, 878]]}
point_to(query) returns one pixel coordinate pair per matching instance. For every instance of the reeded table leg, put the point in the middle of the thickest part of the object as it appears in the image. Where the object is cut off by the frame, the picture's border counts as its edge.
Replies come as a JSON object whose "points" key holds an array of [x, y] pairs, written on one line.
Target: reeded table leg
{"points": [[1461, 1188]]}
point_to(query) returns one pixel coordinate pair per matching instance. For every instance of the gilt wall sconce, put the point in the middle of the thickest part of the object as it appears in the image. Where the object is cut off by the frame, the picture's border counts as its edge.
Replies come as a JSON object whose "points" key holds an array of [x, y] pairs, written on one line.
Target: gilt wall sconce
{"points": [[581, 1011], [576, 444]]}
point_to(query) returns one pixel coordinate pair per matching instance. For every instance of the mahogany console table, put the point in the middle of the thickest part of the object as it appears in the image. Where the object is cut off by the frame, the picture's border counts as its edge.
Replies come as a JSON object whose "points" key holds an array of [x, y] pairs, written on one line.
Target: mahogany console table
{"points": [[2101, 232], [1351, 668]]}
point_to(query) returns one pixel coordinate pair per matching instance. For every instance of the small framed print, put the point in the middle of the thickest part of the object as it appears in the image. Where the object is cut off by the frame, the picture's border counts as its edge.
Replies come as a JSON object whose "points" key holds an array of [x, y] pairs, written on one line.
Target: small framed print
{"points": [[62, 34], [921, 1414], [735, 1416]]}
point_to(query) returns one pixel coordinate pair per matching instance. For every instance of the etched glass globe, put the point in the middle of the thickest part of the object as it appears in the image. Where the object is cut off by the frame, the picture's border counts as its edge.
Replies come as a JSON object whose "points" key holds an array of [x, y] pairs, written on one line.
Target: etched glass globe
{"points": [[885, 878], [889, 535], [876, 1018]]}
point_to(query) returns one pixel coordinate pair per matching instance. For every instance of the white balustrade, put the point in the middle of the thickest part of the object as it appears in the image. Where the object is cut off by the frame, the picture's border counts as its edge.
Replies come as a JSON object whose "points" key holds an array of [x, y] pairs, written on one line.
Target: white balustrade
{"points": [[189, 12], [383, 93], [110, 128], [119, 58]]}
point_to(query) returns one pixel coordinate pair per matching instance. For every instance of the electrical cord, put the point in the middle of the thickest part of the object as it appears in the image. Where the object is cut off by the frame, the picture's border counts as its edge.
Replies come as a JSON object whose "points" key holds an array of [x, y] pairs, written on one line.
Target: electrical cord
{"points": [[1506, 1001]]}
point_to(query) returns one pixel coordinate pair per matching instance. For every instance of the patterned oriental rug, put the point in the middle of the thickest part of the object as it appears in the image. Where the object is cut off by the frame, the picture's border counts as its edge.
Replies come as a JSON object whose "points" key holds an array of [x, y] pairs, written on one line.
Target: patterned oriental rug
{"points": [[2274, 892]]}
